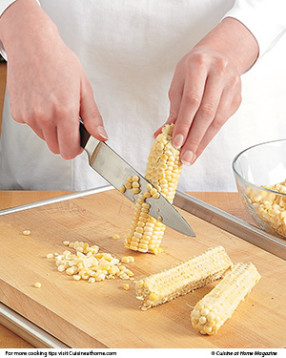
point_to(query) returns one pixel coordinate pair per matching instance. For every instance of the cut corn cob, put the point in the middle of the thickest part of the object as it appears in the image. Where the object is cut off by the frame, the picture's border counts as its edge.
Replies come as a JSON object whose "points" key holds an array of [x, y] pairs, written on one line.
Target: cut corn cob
{"points": [[183, 278], [210, 313], [163, 170]]}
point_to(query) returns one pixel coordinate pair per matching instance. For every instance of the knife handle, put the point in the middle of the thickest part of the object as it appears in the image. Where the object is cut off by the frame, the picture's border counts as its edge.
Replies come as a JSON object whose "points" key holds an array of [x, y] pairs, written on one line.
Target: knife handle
{"points": [[84, 135]]}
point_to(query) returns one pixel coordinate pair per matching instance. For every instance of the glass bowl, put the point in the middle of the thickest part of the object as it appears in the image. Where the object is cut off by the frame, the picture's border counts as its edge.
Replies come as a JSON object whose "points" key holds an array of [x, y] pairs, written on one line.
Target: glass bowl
{"points": [[260, 174]]}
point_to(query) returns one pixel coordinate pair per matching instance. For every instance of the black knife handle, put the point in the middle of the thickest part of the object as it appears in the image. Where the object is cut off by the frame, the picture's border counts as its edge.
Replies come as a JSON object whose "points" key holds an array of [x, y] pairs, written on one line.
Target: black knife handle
{"points": [[84, 135]]}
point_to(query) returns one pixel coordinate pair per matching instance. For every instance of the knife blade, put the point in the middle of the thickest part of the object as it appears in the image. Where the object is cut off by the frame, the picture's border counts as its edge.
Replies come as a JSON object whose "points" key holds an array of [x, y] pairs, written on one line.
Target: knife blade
{"points": [[106, 162]]}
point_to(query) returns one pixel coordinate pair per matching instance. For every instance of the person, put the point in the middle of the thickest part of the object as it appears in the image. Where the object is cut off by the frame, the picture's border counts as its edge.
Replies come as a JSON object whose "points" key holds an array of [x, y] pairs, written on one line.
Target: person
{"points": [[114, 64]]}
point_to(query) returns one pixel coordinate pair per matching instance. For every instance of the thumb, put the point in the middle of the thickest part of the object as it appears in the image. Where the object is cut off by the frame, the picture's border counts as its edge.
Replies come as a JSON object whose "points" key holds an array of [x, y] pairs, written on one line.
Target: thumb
{"points": [[89, 112]]}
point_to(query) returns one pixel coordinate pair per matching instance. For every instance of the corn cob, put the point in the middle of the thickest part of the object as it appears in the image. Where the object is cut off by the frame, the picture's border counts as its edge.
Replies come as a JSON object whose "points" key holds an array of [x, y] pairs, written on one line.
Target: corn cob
{"points": [[163, 170], [210, 313], [183, 278]]}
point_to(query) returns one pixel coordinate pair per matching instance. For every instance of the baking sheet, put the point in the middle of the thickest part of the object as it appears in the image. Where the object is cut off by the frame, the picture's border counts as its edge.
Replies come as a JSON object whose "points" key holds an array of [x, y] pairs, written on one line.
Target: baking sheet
{"points": [[41, 338]]}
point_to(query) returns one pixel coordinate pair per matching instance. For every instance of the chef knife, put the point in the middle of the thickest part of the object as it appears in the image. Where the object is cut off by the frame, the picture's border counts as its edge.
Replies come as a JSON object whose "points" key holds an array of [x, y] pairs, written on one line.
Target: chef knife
{"points": [[106, 162]]}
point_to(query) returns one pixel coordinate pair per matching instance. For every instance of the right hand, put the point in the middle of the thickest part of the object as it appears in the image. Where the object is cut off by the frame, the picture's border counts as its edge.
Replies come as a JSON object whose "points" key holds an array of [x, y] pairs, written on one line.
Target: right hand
{"points": [[47, 85]]}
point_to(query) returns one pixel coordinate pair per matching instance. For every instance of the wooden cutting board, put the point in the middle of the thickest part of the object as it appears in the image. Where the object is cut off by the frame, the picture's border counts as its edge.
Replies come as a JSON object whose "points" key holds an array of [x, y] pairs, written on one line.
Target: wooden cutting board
{"points": [[105, 315]]}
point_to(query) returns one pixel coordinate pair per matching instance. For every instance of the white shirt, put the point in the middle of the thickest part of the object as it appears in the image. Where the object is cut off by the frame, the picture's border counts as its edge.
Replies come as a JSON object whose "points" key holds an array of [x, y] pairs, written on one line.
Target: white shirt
{"points": [[129, 51]]}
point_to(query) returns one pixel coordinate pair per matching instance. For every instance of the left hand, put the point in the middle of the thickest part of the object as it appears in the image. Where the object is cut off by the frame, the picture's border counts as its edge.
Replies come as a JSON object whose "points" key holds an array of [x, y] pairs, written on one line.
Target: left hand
{"points": [[206, 88]]}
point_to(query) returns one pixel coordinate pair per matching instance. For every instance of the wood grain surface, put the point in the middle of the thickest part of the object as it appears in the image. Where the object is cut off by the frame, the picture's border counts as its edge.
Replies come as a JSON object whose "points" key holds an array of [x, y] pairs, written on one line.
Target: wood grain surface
{"points": [[104, 314]]}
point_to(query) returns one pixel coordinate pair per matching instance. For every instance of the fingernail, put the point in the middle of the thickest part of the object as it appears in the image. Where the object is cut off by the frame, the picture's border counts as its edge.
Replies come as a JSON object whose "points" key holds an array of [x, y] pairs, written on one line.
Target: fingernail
{"points": [[101, 132], [178, 141], [194, 159], [187, 157]]}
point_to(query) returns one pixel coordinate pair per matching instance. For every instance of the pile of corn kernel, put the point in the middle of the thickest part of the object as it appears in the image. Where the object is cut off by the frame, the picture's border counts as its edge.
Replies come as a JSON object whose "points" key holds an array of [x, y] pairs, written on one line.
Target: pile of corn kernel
{"points": [[271, 208], [87, 263]]}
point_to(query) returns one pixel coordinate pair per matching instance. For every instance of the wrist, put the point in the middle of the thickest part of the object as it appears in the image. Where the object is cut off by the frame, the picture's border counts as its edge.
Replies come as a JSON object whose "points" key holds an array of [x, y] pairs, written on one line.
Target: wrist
{"points": [[234, 41], [28, 16]]}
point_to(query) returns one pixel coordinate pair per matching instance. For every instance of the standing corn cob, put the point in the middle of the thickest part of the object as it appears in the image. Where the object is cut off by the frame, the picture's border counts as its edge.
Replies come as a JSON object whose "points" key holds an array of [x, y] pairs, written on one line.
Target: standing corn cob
{"points": [[183, 278], [163, 170], [210, 313]]}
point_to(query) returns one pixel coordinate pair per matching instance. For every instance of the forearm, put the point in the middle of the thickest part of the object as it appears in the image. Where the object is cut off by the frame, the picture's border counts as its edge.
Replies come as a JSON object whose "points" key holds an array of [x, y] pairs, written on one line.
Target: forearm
{"points": [[233, 40], [22, 20]]}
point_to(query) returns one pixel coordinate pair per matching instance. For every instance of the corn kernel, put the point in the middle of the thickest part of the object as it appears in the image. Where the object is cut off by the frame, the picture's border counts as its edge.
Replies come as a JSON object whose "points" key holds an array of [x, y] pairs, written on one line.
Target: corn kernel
{"points": [[125, 259], [136, 190], [61, 268], [70, 271], [128, 185], [147, 194], [126, 286], [149, 187], [122, 189], [27, 232], [76, 277], [38, 284], [153, 191]]}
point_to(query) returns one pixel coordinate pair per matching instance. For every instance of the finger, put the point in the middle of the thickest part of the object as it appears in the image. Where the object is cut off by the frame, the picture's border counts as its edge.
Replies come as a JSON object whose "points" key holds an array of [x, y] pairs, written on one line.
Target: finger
{"points": [[38, 131], [17, 118], [228, 105], [89, 112], [50, 135], [35, 127], [158, 131], [191, 100], [30, 119], [204, 117], [69, 137], [25, 116], [55, 121], [175, 96]]}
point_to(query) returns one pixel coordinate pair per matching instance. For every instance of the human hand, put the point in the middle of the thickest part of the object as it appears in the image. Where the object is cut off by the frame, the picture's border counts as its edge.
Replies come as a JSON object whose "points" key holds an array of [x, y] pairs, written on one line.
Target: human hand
{"points": [[205, 92], [206, 88], [47, 86]]}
